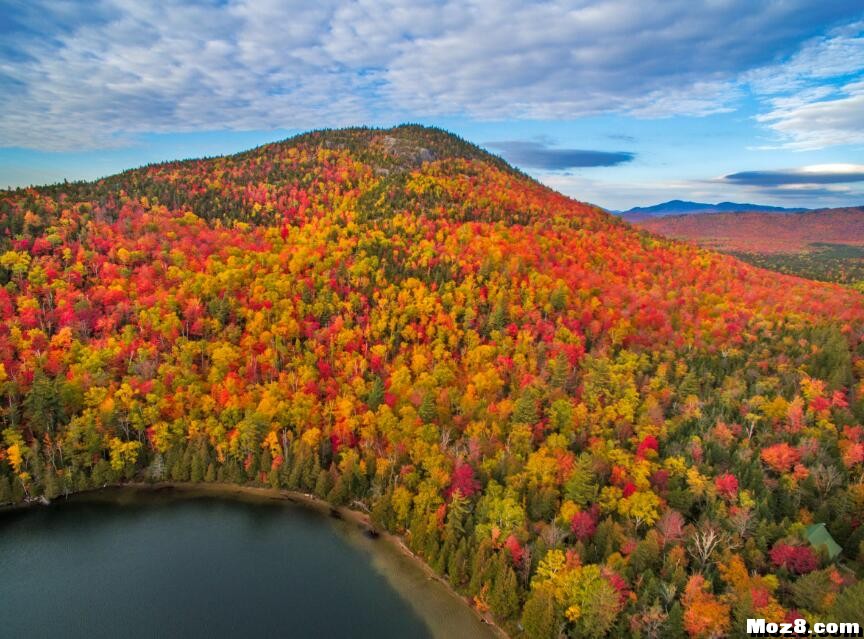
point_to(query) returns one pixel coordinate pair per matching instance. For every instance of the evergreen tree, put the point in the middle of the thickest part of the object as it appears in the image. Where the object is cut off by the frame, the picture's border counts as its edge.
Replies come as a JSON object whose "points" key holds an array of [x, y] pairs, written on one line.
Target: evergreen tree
{"points": [[504, 593], [581, 487], [5, 490], [849, 605], [428, 410], [196, 469], [540, 616], [323, 485], [382, 511], [674, 626], [338, 495], [458, 564]]}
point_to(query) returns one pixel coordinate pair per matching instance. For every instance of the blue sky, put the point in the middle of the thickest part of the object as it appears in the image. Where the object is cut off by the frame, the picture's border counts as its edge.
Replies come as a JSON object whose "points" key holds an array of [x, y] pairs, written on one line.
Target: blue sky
{"points": [[619, 102]]}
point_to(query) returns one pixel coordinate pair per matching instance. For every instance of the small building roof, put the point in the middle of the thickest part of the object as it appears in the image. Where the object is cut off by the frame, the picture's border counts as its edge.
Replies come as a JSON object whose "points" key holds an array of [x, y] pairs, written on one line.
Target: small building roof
{"points": [[818, 535]]}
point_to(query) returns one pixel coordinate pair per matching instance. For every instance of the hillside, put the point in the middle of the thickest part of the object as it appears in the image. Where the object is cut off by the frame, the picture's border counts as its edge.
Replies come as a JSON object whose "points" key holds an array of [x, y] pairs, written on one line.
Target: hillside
{"points": [[683, 207], [582, 426], [825, 244], [755, 232]]}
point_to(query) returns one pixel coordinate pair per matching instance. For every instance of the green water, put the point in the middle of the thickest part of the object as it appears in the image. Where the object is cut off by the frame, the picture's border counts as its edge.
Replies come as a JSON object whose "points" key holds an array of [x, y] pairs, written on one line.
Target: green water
{"points": [[155, 565]]}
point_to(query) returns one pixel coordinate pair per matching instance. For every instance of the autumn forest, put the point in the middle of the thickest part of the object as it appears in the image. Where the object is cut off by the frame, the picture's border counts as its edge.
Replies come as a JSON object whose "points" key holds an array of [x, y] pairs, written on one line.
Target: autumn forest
{"points": [[584, 427]]}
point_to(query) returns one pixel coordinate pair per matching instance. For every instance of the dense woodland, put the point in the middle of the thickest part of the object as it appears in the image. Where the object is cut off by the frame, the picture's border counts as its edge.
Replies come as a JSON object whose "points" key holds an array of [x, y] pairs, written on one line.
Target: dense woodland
{"points": [[824, 262], [825, 244], [765, 233], [588, 430]]}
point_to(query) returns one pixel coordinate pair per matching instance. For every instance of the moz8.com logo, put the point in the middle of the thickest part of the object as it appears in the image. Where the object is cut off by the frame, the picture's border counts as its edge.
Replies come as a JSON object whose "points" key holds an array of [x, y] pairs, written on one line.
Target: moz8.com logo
{"points": [[800, 628]]}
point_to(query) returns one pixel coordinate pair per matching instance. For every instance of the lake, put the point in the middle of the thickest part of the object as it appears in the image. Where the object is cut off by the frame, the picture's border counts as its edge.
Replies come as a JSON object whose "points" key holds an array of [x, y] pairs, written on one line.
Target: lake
{"points": [[135, 563]]}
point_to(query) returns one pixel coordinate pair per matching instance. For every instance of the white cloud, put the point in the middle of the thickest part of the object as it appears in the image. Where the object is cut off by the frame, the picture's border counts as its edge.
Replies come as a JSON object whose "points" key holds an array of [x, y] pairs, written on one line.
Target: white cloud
{"points": [[96, 74], [815, 99], [836, 54], [820, 123]]}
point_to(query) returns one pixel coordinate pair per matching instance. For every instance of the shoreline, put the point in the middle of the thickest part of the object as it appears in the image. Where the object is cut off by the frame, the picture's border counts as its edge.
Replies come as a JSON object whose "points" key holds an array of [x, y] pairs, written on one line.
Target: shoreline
{"points": [[359, 519]]}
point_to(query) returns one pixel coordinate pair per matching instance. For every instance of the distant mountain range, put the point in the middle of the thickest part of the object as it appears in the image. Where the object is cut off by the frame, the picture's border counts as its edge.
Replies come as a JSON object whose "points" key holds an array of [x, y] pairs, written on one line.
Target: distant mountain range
{"points": [[683, 207]]}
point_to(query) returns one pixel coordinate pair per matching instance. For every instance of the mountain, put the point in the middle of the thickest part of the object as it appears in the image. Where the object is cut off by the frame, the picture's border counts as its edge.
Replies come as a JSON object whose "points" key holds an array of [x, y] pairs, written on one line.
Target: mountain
{"points": [[824, 244], [752, 232], [562, 414], [682, 207]]}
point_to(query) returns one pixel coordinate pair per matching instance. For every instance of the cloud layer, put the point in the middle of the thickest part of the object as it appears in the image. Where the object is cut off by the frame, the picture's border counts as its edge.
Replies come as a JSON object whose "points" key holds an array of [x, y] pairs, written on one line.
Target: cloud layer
{"points": [[804, 176], [95, 74], [537, 155], [815, 98]]}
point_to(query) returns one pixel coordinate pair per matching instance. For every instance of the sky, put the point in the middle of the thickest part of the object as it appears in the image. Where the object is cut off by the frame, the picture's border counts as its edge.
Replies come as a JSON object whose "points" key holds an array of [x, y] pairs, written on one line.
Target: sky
{"points": [[616, 102]]}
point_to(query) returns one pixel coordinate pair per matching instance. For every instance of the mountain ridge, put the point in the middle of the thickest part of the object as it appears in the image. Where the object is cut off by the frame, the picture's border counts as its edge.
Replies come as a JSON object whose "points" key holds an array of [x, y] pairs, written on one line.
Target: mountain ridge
{"points": [[686, 207]]}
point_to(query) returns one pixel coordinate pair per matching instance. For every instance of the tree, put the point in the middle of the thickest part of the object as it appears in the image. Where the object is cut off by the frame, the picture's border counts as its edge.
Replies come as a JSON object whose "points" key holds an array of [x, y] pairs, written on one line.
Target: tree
{"points": [[704, 614], [780, 457], [540, 618], [589, 601], [43, 405], [581, 486], [503, 595], [671, 527], [726, 485], [705, 540], [797, 559], [816, 591], [5, 490], [641, 507], [849, 605]]}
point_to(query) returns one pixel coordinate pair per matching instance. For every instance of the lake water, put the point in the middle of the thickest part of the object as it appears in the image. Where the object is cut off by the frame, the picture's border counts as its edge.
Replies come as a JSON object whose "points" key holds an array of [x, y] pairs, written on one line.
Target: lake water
{"points": [[143, 564]]}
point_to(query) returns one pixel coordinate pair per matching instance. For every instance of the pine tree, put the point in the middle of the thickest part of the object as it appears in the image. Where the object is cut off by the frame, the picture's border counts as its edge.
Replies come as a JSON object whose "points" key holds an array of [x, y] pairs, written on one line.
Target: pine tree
{"points": [[504, 595], [338, 495], [382, 512], [674, 626], [296, 474], [428, 410], [454, 527], [458, 563], [5, 490], [480, 567], [849, 605], [581, 487], [196, 469], [310, 469], [323, 485]]}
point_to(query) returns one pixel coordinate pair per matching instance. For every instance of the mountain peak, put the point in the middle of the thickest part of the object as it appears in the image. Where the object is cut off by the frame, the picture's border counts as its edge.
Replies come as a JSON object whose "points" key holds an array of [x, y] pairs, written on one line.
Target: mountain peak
{"points": [[398, 148]]}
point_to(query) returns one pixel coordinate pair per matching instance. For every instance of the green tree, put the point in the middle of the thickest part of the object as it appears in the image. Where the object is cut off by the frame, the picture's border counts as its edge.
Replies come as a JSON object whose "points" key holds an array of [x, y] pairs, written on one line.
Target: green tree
{"points": [[540, 617], [581, 487], [849, 605], [5, 490], [504, 593]]}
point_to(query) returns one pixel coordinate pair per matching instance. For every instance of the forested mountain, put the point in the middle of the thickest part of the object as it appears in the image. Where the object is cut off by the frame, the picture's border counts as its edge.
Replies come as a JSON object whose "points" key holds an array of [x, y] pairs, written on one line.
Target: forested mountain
{"points": [[684, 207], [584, 427], [824, 244]]}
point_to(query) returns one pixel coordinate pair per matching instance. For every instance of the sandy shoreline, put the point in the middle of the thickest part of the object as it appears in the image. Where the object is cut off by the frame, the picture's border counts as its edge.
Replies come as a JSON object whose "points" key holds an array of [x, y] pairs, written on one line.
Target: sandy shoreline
{"points": [[359, 519]]}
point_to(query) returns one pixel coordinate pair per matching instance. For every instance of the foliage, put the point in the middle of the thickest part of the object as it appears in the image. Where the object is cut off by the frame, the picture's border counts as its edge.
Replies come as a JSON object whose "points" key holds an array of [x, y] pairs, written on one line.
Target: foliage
{"points": [[546, 403]]}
